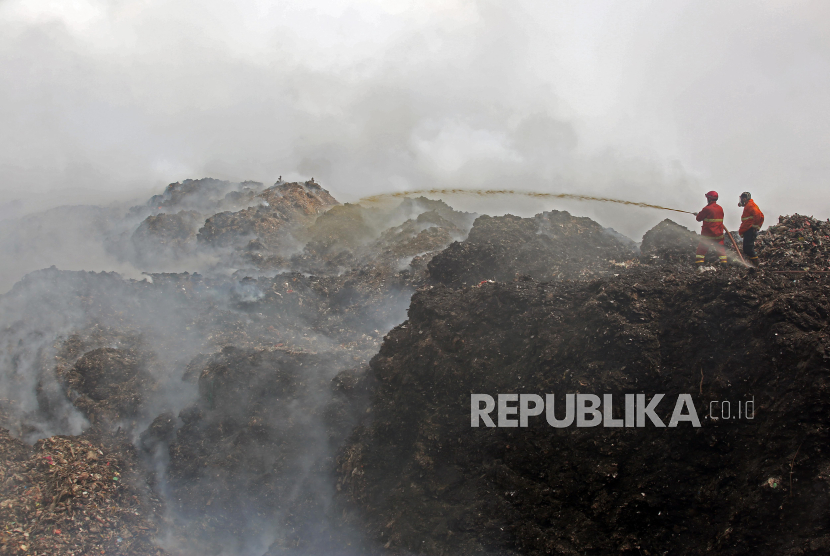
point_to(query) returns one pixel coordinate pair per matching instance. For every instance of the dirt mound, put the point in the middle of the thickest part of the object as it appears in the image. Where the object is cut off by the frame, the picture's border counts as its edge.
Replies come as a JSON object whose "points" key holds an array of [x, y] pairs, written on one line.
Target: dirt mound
{"points": [[550, 246], [795, 243], [669, 241], [75, 495], [425, 481]]}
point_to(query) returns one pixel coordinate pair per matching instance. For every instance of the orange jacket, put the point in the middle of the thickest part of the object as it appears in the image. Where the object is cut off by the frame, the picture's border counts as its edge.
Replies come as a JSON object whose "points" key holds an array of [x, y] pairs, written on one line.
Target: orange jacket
{"points": [[712, 218], [751, 218]]}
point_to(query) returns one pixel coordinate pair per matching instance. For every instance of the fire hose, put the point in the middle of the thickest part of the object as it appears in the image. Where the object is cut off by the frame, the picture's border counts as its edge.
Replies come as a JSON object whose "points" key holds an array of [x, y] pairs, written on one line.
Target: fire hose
{"points": [[734, 244]]}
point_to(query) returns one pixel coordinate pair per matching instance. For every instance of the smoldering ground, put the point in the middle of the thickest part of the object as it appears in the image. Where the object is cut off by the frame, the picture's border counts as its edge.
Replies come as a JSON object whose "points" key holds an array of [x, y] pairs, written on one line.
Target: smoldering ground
{"points": [[368, 98], [224, 379]]}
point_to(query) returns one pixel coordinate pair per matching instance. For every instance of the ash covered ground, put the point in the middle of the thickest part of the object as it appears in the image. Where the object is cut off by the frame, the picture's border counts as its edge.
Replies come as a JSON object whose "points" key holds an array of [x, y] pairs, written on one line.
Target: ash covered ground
{"points": [[304, 387]]}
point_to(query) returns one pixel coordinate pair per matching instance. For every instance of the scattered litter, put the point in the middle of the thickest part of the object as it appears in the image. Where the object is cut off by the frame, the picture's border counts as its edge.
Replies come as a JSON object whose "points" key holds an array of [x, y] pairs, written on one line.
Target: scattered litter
{"points": [[62, 503]]}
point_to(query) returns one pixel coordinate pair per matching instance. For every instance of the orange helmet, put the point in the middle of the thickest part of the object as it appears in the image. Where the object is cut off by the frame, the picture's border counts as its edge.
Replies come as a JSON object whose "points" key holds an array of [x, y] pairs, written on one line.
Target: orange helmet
{"points": [[712, 195]]}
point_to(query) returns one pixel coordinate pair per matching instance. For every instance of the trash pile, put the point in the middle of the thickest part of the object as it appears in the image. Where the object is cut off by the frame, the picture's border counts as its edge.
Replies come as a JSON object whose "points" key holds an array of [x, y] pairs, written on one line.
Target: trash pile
{"points": [[109, 384], [550, 246], [796, 243], [265, 407], [74, 495], [229, 383], [169, 234], [253, 446], [206, 196], [349, 235], [421, 479], [282, 210], [669, 241]]}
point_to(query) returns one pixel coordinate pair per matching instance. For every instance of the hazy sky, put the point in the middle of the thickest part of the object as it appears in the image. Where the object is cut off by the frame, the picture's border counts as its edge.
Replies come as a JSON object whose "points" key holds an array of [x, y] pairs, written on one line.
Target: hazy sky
{"points": [[648, 100]]}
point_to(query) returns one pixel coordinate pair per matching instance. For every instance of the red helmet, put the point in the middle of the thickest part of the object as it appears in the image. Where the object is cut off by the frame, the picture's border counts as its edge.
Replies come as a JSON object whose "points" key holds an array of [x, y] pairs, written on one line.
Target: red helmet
{"points": [[712, 195]]}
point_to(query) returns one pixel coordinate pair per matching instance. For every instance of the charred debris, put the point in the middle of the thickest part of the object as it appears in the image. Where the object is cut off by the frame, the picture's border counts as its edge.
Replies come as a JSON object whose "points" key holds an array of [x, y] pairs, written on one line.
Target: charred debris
{"points": [[305, 387]]}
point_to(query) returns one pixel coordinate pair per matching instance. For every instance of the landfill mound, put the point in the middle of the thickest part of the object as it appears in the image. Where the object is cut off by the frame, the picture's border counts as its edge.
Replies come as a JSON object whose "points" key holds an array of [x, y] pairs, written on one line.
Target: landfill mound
{"points": [[669, 241], [109, 383], [236, 388], [796, 243], [352, 235], [283, 208], [550, 246], [206, 195], [258, 406], [166, 234], [251, 459], [233, 223], [423, 480], [75, 495]]}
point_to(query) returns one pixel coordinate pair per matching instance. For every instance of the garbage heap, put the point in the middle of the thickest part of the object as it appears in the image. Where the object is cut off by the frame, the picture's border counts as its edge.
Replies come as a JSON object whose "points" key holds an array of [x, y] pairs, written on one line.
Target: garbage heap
{"points": [[669, 241], [796, 243], [75, 495], [549, 246], [224, 379], [421, 480]]}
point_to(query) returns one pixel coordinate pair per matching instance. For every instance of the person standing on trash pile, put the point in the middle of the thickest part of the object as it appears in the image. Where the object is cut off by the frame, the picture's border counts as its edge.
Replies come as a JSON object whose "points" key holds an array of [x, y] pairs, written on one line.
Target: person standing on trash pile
{"points": [[751, 221], [712, 230]]}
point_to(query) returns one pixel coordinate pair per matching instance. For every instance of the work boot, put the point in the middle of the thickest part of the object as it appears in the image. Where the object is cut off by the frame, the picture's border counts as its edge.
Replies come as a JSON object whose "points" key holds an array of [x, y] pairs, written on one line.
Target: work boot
{"points": [[753, 261]]}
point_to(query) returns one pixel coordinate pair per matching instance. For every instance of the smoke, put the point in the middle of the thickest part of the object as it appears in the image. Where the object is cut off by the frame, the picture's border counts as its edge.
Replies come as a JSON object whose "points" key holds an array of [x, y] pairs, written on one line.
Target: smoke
{"points": [[104, 101], [643, 100], [224, 378]]}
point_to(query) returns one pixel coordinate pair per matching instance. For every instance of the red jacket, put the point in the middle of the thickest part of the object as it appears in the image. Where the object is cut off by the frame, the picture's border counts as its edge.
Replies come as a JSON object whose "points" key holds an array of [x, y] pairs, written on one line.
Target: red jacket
{"points": [[751, 218], [712, 218]]}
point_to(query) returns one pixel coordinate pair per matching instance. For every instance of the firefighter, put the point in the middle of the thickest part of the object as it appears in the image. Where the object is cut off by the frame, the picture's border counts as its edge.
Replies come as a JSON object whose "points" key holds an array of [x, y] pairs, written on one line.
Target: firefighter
{"points": [[712, 230], [751, 221]]}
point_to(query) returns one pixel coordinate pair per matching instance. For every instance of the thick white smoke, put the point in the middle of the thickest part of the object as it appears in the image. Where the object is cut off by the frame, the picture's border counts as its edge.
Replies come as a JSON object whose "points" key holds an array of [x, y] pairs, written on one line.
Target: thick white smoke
{"points": [[648, 100]]}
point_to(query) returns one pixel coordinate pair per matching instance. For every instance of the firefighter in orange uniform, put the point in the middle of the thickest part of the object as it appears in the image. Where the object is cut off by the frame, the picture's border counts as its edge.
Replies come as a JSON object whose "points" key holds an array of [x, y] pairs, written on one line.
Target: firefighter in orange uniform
{"points": [[751, 221], [712, 230]]}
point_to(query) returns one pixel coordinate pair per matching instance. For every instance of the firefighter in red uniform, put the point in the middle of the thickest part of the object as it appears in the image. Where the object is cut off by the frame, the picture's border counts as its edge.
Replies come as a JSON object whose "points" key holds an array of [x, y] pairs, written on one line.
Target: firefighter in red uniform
{"points": [[751, 221], [712, 230]]}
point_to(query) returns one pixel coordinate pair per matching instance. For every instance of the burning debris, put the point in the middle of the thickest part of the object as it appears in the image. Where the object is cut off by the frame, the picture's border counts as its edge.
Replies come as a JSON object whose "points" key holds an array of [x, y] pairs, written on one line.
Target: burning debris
{"points": [[206, 196], [109, 384], [190, 365], [264, 406]]}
